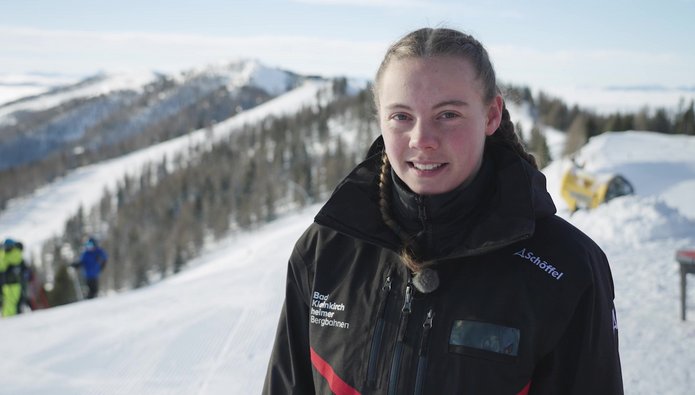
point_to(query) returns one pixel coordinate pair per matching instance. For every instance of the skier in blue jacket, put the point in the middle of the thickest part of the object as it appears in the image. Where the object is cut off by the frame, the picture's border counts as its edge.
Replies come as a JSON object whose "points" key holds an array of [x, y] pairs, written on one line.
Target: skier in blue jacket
{"points": [[93, 259]]}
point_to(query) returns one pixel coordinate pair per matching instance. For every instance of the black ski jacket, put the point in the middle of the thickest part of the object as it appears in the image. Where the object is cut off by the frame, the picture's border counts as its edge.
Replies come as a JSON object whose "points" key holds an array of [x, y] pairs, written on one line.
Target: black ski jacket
{"points": [[524, 305]]}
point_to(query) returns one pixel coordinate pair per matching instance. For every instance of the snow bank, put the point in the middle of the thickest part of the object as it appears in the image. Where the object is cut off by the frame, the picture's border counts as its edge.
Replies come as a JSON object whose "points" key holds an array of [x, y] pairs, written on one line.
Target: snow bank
{"points": [[631, 221], [657, 165]]}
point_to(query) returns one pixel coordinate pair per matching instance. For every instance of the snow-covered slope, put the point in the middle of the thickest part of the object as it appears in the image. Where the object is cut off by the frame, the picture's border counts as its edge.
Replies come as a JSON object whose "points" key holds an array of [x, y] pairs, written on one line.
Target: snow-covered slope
{"points": [[35, 218], [273, 81], [209, 330], [205, 331]]}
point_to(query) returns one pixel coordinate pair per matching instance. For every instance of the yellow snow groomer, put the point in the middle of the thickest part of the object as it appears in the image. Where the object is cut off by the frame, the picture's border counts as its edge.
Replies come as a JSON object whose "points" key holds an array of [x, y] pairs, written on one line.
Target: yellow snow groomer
{"points": [[584, 190]]}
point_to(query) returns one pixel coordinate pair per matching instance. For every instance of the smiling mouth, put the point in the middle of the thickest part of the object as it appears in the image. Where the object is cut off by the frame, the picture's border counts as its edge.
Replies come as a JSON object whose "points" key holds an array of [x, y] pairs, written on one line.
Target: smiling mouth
{"points": [[426, 166]]}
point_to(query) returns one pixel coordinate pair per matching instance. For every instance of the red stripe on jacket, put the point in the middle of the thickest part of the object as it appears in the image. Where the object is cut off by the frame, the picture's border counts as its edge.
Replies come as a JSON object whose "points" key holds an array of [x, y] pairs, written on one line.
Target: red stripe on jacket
{"points": [[337, 385], [525, 390]]}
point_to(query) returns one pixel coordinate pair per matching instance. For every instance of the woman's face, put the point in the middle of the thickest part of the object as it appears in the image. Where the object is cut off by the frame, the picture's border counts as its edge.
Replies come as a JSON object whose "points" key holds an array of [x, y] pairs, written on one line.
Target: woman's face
{"points": [[434, 121]]}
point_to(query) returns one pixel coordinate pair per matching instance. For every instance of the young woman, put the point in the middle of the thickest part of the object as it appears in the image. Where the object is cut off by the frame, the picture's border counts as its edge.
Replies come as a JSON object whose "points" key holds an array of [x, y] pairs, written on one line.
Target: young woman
{"points": [[438, 265]]}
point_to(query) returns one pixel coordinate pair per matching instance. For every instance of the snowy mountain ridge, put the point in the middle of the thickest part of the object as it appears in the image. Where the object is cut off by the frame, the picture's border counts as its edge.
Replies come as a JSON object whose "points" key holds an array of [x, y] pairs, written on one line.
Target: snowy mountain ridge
{"points": [[63, 88], [95, 85], [132, 109], [37, 217], [249, 72], [15, 86]]}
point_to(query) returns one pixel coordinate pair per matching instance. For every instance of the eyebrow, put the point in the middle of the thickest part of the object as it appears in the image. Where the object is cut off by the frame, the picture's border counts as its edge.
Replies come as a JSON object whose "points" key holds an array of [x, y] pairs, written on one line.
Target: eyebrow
{"points": [[455, 102]]}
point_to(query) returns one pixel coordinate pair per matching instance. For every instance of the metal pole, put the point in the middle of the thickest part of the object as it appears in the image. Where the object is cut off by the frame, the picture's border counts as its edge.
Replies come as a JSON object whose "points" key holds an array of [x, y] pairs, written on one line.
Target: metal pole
{"points": [[683, 291]]}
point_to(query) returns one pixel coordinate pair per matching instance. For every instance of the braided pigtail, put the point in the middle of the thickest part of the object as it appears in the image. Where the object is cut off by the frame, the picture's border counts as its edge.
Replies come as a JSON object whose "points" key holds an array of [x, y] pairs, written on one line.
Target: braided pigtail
{"points": [[505, 135], [407, 254]]}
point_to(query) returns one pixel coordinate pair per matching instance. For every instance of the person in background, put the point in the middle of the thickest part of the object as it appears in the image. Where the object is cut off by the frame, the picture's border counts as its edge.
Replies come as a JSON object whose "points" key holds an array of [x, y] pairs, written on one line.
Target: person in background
{"points": [[438, 265], [92, 261], [12, 271]]}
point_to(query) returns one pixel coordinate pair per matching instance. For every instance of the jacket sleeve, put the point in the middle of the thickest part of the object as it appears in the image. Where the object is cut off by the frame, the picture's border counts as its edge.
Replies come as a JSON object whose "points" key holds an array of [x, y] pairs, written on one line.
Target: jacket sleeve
{"points": [[586, 359], [289, 370], [103, 258]]}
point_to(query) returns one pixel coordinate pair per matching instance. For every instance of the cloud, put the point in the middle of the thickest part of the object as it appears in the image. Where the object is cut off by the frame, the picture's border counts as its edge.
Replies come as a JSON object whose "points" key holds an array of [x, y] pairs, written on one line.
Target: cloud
{"points": [[368, 3], [595, 67], [28, 49], [86, 52]]}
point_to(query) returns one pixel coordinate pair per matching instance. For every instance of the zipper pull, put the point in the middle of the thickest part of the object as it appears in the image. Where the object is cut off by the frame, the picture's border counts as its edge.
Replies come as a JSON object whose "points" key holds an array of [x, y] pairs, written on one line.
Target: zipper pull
{"points": [[387, 285], [385, 291], [408, 298], [422, 355], [428, 320], [378, 334], [426, 327], [405, 311]]}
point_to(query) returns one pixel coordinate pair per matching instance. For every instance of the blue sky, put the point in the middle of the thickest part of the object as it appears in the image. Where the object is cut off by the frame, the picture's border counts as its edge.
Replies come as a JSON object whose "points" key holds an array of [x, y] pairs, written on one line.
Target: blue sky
{"points": [[539, 43]]}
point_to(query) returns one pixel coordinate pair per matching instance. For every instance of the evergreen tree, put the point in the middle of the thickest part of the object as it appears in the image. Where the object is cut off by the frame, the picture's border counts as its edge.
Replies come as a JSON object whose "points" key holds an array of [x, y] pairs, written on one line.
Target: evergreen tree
{"points": [[660, 122], [641, 119], [178, 260], [539, 147], [686, 121], [577, 135], [613, 123], [63, 291]]}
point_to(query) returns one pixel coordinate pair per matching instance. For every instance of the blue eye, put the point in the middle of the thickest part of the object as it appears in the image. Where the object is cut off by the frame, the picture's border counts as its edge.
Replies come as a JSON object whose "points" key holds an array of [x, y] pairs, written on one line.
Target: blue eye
{"points": [[449, 115], [399, 117]]}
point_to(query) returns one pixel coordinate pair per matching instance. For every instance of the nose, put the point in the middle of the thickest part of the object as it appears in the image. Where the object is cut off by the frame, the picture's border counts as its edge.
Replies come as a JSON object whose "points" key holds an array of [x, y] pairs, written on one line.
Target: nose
{"points": [[423, 137]]}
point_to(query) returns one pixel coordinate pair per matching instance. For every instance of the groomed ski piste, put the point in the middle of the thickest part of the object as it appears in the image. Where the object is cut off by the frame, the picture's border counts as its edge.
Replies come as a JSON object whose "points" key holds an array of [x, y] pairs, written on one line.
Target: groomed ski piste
{"points": [[209, 329]]}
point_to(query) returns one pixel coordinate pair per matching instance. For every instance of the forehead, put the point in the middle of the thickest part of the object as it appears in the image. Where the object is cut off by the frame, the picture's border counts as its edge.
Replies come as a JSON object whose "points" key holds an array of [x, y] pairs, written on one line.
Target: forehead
{"points": [[454, 77]]}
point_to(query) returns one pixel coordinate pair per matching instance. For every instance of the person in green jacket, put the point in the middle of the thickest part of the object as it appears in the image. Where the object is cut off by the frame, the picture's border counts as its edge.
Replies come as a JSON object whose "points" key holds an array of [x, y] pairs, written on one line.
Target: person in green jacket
{"points": [[12, 270]]}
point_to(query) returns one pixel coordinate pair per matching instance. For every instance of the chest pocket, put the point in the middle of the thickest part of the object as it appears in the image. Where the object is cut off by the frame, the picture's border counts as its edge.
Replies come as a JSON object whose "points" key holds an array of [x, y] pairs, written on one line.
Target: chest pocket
{"points": [[484, 340]]}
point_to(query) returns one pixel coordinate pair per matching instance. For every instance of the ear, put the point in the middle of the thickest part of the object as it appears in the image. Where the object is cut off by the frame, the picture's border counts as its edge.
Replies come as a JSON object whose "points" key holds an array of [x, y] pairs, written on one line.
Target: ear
{"points": [[494, 115]]}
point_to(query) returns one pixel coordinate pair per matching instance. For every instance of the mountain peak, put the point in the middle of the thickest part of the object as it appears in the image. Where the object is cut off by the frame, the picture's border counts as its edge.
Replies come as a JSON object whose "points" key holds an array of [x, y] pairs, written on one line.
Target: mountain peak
{"points": [[246, 72]]}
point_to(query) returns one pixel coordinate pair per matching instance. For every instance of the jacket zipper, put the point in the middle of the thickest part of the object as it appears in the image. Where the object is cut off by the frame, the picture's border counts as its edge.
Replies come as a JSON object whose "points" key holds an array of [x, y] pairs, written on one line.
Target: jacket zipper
{"points": [[378, 334], [424, 218], [422, 355], [396, 362]]}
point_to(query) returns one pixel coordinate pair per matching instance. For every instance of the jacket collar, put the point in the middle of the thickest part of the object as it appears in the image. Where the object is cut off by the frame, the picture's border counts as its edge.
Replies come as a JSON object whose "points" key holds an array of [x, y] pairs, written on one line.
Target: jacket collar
{"points": [[429, 220], [517, 198]]}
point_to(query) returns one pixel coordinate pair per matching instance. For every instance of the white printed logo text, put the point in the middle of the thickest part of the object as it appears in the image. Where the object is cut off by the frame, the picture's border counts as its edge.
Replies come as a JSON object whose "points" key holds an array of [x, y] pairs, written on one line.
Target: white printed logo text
{"points": [[323, 311], [540, 263]]}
